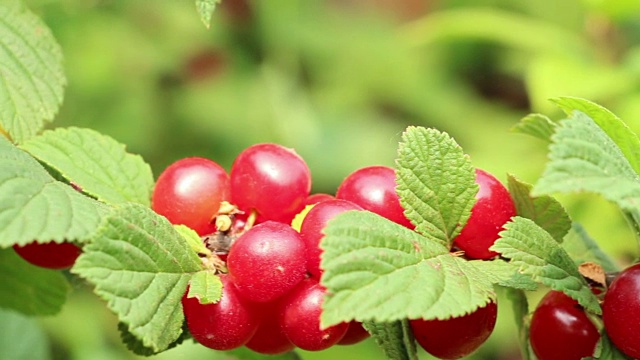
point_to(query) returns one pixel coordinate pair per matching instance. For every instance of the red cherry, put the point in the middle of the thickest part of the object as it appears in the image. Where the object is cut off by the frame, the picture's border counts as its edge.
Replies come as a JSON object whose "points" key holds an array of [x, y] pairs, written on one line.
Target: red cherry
{"points": [[269, 339], [355, 334], [49, 255], [621, 311]]}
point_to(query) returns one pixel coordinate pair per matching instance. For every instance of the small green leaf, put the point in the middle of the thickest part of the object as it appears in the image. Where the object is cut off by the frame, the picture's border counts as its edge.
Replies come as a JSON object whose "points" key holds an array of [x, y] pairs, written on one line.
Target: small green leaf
{"points": [[206, 287], [32, 77], [96, 163], [395, 338], [141, 266], [536, 125], [137, 347], [520, 307], [544, 210], [193, 239], [375, 269], [22, 338], [583, 248], [538, 254], [206, 9], [30, 289], [36, 207], [616, 129], [436, 183], [584, 158]]}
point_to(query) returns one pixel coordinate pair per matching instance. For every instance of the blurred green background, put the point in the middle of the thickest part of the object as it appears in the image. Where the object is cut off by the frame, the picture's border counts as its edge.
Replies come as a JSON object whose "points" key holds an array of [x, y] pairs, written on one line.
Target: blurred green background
{"points": [[338, 80]]}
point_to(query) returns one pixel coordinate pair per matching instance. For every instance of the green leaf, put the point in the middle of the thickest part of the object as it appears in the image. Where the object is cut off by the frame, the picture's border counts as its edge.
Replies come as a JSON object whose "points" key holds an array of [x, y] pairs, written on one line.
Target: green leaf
{"points": [[141, 266], [96, 163], [539, 255], [193, 239], [436, 183], [544, 210], [395, 338], [30, 289], [584, 158], [606, 350], [536, 125], [136, 345], [206, 287], [520, 307], [616, 129], [504, 273], [375, 269], [583, 248], [22, 338], [206, 9], [36, 207], [31, 72]]}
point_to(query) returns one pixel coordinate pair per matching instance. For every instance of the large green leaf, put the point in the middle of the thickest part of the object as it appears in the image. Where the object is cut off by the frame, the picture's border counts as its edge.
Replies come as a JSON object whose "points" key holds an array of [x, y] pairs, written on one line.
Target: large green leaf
{"points": [[31, 73], [96, 163], [141, 266]]}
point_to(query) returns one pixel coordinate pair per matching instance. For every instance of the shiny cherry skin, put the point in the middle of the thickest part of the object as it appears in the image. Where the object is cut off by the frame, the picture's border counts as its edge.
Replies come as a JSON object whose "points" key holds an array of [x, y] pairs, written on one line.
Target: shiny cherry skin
{"points": [[269, 339], [493, 208], [621, 311], [455, 337], [355, 334], [561, 330], [225, 325], [51, 255], [374, 188], [189, 192]]}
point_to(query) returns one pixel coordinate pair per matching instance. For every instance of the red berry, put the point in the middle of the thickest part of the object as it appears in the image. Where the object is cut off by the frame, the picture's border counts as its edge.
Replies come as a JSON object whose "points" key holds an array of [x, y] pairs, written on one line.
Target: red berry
{"points": [[621, 311], [189, 192], [317, 198], [269, 339], [374, 188], [560, 329], [355, 333], [312, 228], [300, 318], [267, 261], [225, 325], [455, 337], [49, 255], [493, 208], [271, 179]]}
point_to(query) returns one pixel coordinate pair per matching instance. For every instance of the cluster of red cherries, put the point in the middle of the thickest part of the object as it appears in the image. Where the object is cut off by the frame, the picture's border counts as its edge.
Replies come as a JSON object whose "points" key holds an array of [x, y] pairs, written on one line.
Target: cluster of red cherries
{"points": [[272, 298]]}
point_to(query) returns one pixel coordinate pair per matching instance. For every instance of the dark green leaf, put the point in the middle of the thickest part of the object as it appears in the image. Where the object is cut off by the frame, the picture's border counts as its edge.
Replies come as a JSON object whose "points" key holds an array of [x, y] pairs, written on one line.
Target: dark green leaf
{"points": [[395, 338]]}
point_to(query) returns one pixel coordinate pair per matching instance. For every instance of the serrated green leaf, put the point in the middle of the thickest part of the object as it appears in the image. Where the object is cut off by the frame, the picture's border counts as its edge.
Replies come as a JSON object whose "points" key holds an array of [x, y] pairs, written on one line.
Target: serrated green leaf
{"points": [[36, 207], [22, 338], [193, 239], [520, 307], [206, 9], [584, 158], [536, 125], [538, 254], [436, 183], [30, 289], [31, 72], [96, 163], [583, 248], [616, 129], [504, 273], [141, 266], [206, 287], [375, 269], [137, 347], [395, 338], [544, 210]]}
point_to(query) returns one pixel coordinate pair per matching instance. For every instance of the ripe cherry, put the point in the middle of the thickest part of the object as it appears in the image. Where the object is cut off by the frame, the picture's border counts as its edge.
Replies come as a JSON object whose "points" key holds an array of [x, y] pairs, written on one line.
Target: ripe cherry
{"points": [[455, 337], [267, 261], [272, 180], [493, 208], [621, 311], [49, 255], [269, 339], [317, 198], [189, 192], [224, 325], [374, 188], [300, 318], [560, 329], [312, 228], [355, 334]]}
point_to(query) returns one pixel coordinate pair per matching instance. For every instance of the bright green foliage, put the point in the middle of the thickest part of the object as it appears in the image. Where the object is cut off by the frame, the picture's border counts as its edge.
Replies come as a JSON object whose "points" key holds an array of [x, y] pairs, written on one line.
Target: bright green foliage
{"points": [[30, 289], [32, 77], [34, 206], [537, 125], [96, 163], [544, 210], [206, 287], [395, 339], [584, 158], [378, 270], [436, 183], [141, 266], [503, 273], [540, 256], [193, 239], [206, 9], [21, 338], [585, 249]]}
